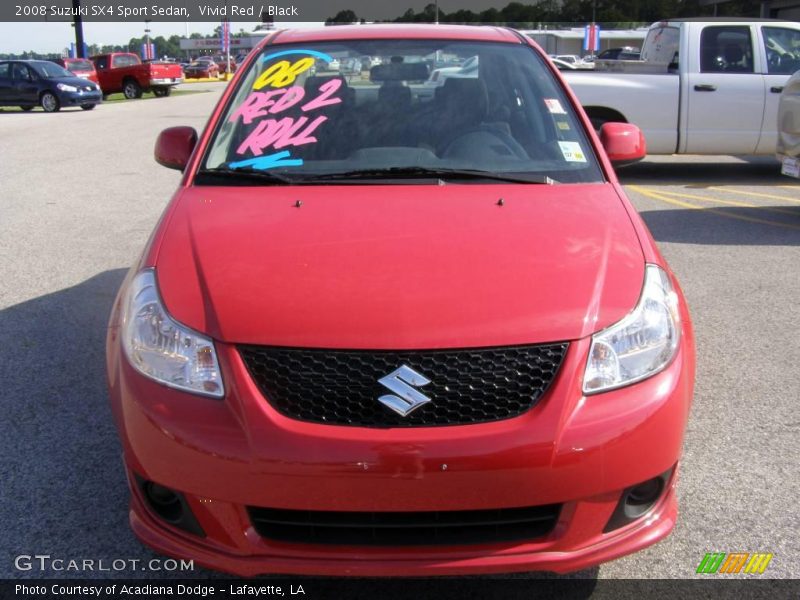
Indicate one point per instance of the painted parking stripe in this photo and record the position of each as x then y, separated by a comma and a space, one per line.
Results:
783, 211
755, 194
657, 196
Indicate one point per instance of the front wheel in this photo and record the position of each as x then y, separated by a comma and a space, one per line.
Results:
161, 92
88, 106
132, 90
50, 102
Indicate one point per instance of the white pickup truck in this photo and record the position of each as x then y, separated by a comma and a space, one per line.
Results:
702, 86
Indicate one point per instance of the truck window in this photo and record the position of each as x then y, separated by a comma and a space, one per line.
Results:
782, 47
661, 45
124, 60
726, 49
5, 71
102, 62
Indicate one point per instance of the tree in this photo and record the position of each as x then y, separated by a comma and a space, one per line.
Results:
342, 17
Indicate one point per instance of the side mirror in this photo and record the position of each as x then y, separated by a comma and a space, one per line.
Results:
174, 146
624, 143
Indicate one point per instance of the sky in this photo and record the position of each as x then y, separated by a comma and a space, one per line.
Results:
54, 37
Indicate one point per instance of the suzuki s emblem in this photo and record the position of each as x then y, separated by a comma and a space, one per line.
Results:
404, 382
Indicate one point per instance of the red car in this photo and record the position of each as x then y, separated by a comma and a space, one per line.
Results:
379, 332
82, 67
203, 67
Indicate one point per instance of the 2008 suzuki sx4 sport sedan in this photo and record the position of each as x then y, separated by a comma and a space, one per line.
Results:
395, 326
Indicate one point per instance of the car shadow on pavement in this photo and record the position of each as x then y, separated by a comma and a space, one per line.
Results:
699, 172
726, 225
63, 489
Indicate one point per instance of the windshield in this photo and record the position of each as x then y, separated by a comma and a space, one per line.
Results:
79, 65
371, 107
50, 70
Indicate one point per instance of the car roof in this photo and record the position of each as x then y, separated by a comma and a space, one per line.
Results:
395, 31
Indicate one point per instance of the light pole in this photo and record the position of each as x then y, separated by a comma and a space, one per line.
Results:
77, 23
147, 40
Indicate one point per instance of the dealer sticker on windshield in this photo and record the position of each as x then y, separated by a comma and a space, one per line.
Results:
790, 166
554, 106
572, 152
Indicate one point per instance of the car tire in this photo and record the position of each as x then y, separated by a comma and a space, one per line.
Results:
131, 89
50, 102
28, 107
161, 92
88, 106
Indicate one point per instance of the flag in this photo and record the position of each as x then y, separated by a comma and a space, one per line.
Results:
225, 37
591, 37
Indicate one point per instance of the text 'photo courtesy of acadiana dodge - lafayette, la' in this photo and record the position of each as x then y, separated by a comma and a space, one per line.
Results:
156, 11
139, 590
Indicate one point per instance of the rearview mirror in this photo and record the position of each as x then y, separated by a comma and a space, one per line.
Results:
624, 143
174, 146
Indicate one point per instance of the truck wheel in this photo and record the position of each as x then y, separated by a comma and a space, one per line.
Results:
88, 106
131, 89
27, 107
50, 102
161, 92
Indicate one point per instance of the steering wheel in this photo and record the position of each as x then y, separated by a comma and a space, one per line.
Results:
774, 59
500, 138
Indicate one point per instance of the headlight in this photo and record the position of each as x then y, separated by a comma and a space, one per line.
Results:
163, 349
66, 88
641, 344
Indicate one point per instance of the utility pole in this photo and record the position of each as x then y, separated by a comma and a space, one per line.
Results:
77, 23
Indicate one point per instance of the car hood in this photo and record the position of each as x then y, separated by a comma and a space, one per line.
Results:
402, 267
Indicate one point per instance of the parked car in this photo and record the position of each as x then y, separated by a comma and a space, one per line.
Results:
562, 65
30, 83
788, 149
701, 86
203, 67
124, 72
620, 53
377, 335
222, 63
82, 67
467, 69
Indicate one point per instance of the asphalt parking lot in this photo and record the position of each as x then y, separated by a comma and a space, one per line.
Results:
80, 193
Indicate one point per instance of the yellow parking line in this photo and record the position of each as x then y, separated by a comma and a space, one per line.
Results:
755, 194
784, 211
716, 211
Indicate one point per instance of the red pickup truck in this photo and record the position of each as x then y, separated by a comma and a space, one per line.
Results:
124, 72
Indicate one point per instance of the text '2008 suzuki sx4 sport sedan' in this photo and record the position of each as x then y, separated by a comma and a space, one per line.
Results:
392, 328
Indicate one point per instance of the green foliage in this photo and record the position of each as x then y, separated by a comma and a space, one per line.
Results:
617, 13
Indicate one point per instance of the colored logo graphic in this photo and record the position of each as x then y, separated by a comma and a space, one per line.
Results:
735, 562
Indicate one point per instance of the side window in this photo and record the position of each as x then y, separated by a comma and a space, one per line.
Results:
124, 61
5, 71
727, 49
102, 62
20, 73
782, 47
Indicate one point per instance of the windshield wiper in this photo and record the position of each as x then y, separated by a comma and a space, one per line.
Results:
434, 172
248, 176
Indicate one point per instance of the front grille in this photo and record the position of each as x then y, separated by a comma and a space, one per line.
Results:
405, 528
342, 388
